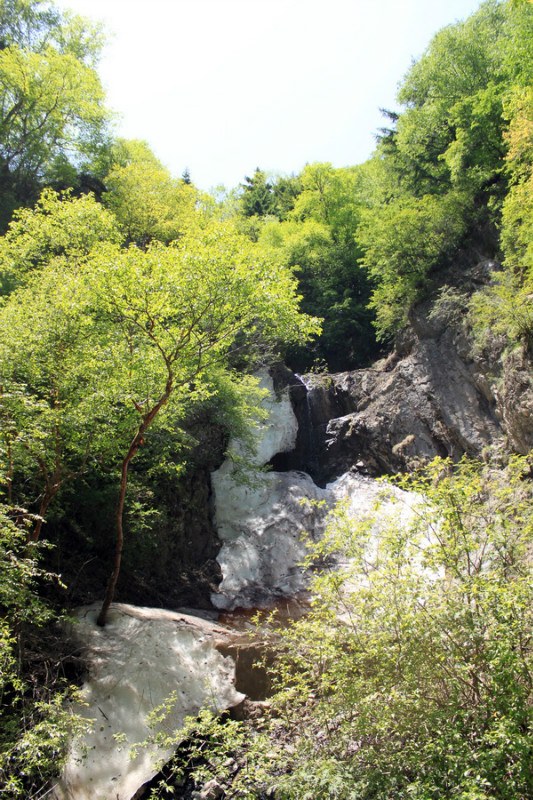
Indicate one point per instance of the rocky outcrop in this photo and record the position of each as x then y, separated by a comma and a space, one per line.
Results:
515, 399
438, 394
406, 410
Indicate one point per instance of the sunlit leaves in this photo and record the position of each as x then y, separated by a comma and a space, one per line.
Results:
148, 203
403, 242
36, 725
52, 231
412, 673
100, 338
320, 238
51, 104
450, 143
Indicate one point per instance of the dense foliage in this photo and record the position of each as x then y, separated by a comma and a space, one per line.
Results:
421, 686
412, 674
318, 238
36, 722
443, 165
450, 176
448, 184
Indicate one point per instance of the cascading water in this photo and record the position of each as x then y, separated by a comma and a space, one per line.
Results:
311, 442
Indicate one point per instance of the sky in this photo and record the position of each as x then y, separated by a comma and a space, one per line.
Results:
221, 87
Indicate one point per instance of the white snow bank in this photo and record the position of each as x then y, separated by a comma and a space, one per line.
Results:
262, 529
261, 526
135, 663
278, 433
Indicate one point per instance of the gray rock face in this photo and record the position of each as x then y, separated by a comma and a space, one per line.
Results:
435, 396
426, 404
515, 400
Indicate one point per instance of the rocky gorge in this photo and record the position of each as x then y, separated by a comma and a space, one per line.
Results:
326, 438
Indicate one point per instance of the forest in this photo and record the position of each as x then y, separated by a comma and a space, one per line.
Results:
135, 310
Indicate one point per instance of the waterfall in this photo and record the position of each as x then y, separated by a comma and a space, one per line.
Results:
143, 656
312, 448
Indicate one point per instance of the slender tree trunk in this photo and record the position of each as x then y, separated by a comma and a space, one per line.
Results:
134, 446
45, 502
111, 586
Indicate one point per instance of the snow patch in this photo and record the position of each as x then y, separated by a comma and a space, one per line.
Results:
278, 433
262, 525
261, 529
135, 663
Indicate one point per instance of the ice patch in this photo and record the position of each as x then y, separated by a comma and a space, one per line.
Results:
135, 663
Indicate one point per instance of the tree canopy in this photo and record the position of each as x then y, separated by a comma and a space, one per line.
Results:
53, 121
146, 201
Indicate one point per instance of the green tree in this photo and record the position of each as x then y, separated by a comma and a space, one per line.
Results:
57, 230
404, 243
57, 409
51, 107
98, 338
517, 225
55, 400
451, 131
53, 389
178, 312
147, 202
52, 115
320, 239
35, 25
443, 176
263, 198
257, 198
505, 307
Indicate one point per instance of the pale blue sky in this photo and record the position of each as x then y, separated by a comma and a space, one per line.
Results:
223, 86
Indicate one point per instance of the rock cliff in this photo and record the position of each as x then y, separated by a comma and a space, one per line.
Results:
438, 394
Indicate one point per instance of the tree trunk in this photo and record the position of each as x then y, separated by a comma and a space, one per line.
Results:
134, 446
111, 586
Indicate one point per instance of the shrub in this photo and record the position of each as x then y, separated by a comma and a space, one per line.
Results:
36, 724
412, 676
